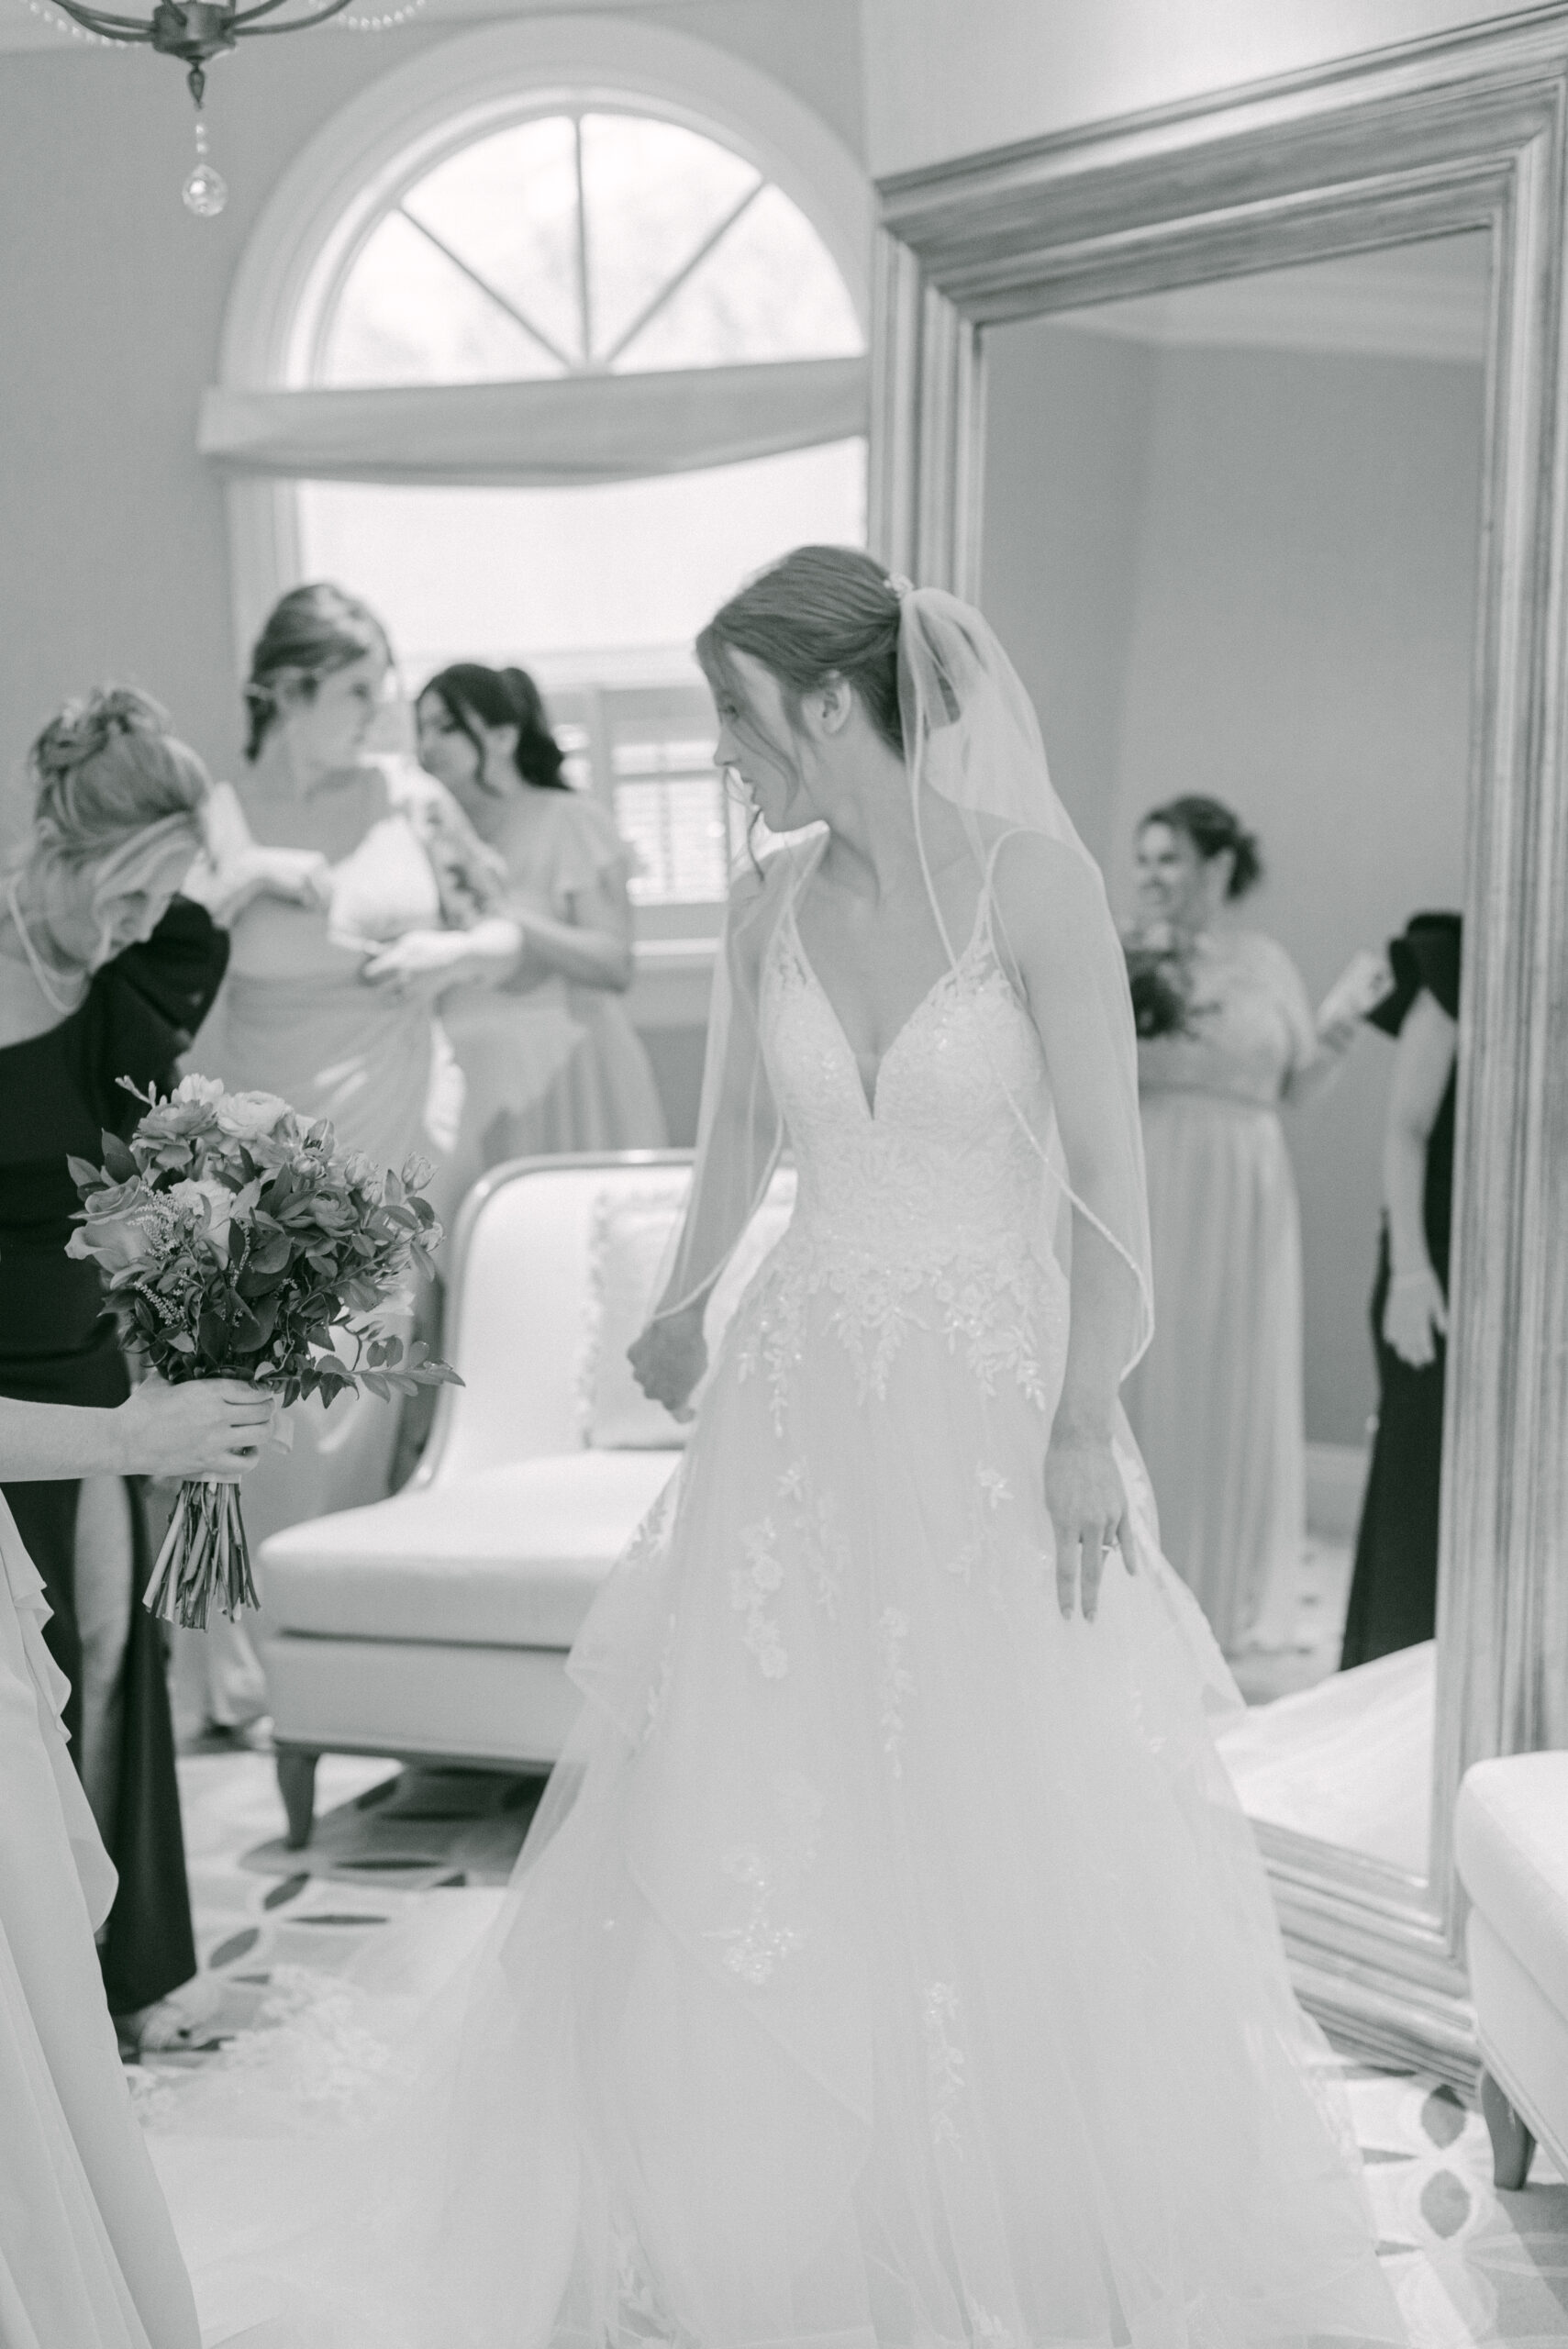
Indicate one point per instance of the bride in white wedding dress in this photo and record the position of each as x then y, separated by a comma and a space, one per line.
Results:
890, 1967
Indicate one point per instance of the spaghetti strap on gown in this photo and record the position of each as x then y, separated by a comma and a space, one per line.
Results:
891, 1965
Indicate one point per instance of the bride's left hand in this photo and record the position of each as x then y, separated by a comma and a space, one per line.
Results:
1088, 1508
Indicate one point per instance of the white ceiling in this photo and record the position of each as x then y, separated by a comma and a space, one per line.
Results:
1424, 301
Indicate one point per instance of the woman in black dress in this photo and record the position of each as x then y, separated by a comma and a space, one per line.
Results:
104, 972
1393, 1590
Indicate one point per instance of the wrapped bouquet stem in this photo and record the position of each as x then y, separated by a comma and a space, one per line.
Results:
204, 1556
237, 1242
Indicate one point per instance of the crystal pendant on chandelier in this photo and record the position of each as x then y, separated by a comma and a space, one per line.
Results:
206, 192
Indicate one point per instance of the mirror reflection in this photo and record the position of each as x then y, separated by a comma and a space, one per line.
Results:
1231, 533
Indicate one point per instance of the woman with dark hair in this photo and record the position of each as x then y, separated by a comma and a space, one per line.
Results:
356, 895
890, 1964
550, 1060
1216, 1402
105, 971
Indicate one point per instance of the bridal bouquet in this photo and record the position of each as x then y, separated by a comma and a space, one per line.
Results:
236, 1240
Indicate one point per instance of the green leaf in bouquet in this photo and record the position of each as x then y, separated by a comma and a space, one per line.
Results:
117, 1159
273, 1254
249, 1332
213, 1334
84, 1174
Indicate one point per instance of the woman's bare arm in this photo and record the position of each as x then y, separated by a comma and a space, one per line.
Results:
594, 948
1417, 1311
207, 1427
1056, 931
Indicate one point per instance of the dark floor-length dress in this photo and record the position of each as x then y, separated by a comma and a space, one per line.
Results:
58, 1092
1393, 1590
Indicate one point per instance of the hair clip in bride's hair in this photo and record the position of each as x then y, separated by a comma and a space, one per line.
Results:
900, 586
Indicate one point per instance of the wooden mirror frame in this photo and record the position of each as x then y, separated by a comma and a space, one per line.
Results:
1464, 131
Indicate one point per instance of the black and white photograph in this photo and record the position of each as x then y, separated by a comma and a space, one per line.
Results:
784, 1175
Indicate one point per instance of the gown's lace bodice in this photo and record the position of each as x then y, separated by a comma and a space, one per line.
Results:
928, 1205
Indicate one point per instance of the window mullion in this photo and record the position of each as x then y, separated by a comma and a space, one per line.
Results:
493, 293
672, 286
585, 307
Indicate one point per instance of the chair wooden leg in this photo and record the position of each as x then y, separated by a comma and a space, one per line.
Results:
297, 1784
1513, 2147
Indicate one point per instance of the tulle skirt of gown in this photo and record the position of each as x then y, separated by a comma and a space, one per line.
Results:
890, 1967
1217, 1403
88, 2258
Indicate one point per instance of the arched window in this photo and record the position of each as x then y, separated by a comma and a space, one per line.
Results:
548, 340
583, 242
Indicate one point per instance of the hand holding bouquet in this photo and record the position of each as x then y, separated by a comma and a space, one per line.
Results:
236, 1238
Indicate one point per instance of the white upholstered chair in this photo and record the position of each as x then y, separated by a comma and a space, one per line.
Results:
434, 1626
1511, 1850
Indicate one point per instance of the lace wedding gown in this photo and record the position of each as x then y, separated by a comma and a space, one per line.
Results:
890, 1967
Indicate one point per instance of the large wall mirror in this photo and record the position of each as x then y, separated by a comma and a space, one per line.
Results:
1242, 424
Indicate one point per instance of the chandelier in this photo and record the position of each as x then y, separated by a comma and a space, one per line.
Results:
196, 31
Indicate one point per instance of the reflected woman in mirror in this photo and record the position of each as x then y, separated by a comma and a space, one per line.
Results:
550, 1060
1393, 1589
1227, 1037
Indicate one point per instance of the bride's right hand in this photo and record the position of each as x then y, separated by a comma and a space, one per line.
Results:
669, 1359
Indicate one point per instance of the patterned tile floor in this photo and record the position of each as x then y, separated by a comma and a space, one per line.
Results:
1470, 2266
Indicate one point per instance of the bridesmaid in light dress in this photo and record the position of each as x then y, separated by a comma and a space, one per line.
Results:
550, 1060
356, 893
1216, 1402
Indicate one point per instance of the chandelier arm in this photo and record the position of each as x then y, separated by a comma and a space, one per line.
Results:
246, 31
97, 21
263, 8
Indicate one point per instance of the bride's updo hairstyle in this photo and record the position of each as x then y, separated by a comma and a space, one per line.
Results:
469, 692
106, 770
1214, 829
310, 633
817, 614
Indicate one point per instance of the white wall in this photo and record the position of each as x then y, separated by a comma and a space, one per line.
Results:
1297, 542
1068, 428
947, 78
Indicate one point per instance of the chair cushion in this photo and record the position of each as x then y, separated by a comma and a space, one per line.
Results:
406, 1696
1510, 1840
631, 1233
510, 1557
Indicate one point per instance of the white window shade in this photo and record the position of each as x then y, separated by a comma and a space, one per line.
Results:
558, 432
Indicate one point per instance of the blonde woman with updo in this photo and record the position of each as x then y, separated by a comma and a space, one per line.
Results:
105, 972
356, 893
